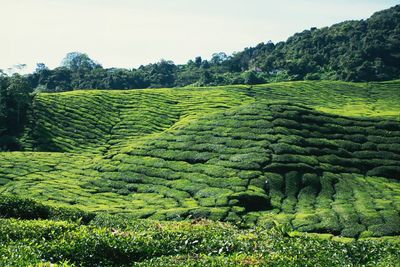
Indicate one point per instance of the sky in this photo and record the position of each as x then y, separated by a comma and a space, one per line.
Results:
130, 33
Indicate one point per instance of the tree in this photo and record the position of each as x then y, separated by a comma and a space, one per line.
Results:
3, 95
218, 58
18, 100
365, 50
57, 80
205, 78
198, 61
250, 77
14, 102
76, 61
41, 67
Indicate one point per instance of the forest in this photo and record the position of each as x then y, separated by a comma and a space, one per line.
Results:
357, 51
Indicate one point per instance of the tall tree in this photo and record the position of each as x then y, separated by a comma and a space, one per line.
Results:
76, 61
14, 102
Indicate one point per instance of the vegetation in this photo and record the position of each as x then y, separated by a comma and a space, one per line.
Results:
14, 103
269, 159
297, 173
349, 51
226, 153
120, 241
366, 50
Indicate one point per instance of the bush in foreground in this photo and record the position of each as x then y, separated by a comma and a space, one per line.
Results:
120, 241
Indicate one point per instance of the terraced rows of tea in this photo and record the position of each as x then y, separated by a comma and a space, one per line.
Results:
321, 156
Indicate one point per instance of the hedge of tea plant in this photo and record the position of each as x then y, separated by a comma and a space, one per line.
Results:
322, 157
122, 241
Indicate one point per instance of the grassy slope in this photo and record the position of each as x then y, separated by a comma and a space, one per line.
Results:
207, 152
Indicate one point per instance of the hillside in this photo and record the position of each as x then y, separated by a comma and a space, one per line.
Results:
357, 50
323, 157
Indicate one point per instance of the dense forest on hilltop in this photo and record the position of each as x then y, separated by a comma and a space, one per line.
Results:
365, 50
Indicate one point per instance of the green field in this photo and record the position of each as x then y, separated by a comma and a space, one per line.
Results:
318, 157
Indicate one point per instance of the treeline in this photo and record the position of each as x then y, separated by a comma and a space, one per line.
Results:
365, 50
78, 71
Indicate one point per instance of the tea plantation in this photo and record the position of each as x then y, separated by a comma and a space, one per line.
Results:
318, 157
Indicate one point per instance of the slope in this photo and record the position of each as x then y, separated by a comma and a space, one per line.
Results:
250, 155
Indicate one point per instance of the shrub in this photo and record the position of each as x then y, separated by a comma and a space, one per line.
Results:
283, 148
250, 200
212, 192
15, 207
394, 147
353, 230
388, 125
306, 199
329, 222
287, 158
292, 183
385, 229
386, 171
24, 208
303, 220
321, 143
312, 180
348, 145
284, 167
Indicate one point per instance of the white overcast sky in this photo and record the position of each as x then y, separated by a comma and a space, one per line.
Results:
128, 33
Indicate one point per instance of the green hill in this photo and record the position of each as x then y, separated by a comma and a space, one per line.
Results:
321, 156
354, 50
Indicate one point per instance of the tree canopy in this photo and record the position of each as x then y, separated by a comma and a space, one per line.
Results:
364, 50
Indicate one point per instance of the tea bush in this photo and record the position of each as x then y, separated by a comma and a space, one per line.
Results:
319, 156
121, 241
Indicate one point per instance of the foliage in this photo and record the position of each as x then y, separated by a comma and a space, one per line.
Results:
23, 208
276, 160
14, 103
365, 50
226, 153
153, 243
